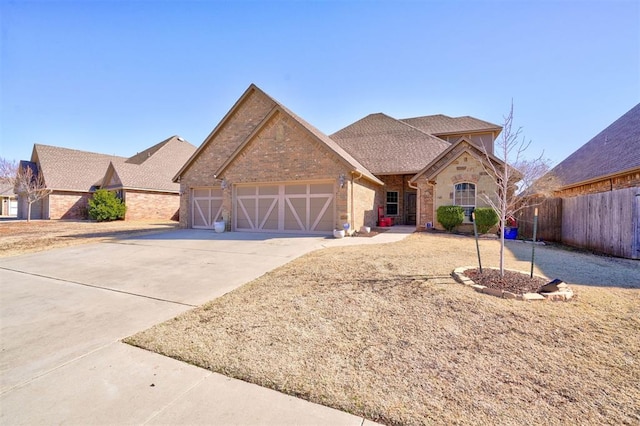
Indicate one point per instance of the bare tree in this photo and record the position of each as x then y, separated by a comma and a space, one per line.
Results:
30, 184
8, 170
515, 180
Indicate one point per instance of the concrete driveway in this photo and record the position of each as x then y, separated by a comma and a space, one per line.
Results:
63, 313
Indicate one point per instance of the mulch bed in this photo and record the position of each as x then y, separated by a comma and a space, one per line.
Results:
514, 282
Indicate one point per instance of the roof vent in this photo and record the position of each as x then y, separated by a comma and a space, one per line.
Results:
180, 139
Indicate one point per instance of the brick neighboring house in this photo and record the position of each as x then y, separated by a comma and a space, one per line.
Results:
263, 168
143, 181
609, 161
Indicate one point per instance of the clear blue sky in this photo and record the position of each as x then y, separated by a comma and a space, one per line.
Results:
117, 77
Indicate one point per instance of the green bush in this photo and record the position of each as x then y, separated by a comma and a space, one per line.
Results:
486, 218
450, 216
105, 206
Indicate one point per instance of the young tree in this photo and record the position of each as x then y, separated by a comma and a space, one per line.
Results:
515, 182
30, 184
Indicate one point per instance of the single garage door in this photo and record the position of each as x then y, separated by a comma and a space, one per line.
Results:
206, 207
307, 208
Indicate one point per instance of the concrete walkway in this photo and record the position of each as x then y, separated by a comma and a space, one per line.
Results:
64, 312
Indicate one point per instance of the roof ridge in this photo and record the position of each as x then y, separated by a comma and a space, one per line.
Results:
35, 145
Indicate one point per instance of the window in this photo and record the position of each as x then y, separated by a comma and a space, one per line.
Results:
392, 203
465, 196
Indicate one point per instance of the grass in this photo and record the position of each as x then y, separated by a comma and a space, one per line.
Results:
382, 332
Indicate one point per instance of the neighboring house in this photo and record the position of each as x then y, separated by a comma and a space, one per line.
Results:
8, 200
609, 161
142, 181
264, 169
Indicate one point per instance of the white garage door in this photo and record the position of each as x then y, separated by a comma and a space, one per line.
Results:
307, 208
13, 207
206, 207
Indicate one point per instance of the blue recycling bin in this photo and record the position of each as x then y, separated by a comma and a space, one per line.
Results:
510, 233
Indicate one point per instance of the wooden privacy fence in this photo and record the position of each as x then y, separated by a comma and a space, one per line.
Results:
606, 222
549, 220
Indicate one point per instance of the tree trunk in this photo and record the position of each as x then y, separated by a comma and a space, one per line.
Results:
29, 212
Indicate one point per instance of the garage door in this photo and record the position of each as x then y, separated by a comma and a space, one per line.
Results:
206, 207
307, 208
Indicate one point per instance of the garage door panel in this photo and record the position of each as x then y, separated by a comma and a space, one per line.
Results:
206, 207
295, 214
268, 212
293, 207
246, 213
324, 218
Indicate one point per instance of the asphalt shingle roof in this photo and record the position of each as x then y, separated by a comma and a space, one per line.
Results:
613, 150
74, 170
70, 169
155, 167
440, 124
385, 145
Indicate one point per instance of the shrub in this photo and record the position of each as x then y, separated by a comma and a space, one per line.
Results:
105, 206
450, 216
486, 218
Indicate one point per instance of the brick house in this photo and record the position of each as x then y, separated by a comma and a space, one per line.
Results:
143, 181
609, 161
264, 169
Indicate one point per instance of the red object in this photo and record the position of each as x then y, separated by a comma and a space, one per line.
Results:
382, 220
385, 222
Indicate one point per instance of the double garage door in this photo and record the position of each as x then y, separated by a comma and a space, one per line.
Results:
287, 207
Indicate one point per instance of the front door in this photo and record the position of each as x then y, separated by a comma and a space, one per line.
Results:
411, 208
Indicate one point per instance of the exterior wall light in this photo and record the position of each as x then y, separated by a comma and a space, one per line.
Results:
341, 180
223, 184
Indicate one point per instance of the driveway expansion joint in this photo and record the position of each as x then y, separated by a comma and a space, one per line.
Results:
33, 274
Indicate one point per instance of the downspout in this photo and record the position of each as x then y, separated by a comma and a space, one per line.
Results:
353, 180
417, 201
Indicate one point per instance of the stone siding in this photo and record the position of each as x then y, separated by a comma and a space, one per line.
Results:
439, 192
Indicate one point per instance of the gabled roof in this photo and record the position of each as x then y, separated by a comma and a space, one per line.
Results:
153, 168
6, 188
388, 146
614, 150
453, 152
82, 171
70, 169
440, 124
278, 108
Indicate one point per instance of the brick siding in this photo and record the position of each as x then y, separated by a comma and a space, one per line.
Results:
281, 151
627, 180
151, 205
68, 205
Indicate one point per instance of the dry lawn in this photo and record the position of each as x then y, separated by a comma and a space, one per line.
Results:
19, 237
382, 332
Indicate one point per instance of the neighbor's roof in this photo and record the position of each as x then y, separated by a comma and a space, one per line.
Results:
614, 150
440, 124
6, 189
385, 145
70, 169
154, 168
73, 170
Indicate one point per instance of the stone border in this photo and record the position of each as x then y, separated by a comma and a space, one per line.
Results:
561, 295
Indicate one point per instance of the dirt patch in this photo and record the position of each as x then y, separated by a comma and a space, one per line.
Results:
383, 331
20, 237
